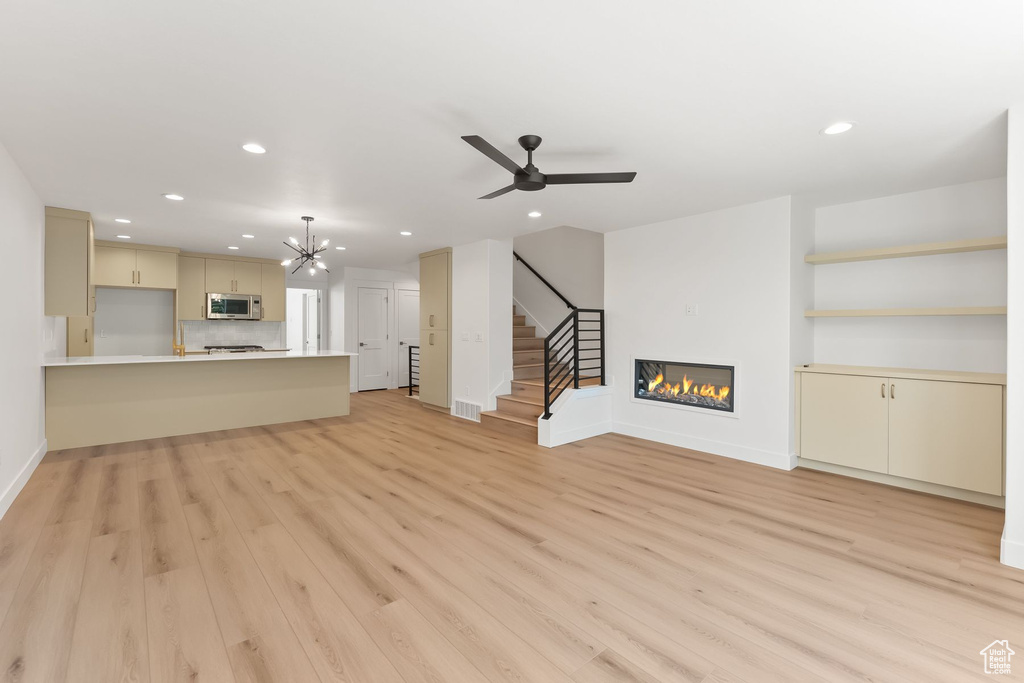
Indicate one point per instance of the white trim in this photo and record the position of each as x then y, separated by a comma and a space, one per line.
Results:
782, 461
1011, 553
7, 499
552, 432
696, 409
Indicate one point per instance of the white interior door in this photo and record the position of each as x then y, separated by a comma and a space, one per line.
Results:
312, 327
373, 337
408, 330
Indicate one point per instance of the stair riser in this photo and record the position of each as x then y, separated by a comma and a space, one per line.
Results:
528, 356
525, 410
512, 427
518, 320
527, 373
520, 332
523, 344
533, 392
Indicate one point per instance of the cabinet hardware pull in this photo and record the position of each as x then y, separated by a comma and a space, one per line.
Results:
883, 389
140, 276
431, 322
85, 335
133, 277
892, 391
431, 338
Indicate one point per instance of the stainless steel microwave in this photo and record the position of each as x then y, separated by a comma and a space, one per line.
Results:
233, 307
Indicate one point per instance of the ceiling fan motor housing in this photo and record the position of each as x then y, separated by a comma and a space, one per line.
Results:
531, 180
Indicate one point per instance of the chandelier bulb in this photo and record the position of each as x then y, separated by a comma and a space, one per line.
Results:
294, 241
319, 264
325, 243
312, 271
286, 262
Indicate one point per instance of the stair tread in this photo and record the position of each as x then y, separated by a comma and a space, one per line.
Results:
523, 399
510, 418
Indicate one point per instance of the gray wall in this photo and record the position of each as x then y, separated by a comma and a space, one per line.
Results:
570, 259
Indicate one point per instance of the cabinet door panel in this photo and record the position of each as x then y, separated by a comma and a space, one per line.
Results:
434, 367
191, 288
115, 267
948, 433
156, 269
220, 276
248, 277
844, 420
68, 289
80, 342
434, 291
273, 296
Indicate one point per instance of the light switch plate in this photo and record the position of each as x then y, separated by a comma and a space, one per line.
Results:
479, 336
691, 309
465, 336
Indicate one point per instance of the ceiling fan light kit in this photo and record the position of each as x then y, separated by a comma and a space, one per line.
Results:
529, 178
306, 253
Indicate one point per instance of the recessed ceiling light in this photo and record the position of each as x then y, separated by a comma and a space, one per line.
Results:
121, 220
124, 237
534, 214
249, 237
837, 128
232, 247
254, 148
174, 197
405, 233
340, 248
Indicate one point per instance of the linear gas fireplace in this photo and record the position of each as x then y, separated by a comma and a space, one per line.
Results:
696, 385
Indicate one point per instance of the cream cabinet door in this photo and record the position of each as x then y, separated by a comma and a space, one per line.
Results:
68, 266
273, 296
156, 269
80, 342
220, 276
434, 276
191, 288
248, 277
844, 420
115, 267
948, 433
434, 367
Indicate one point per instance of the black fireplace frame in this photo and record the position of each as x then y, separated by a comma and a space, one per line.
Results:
639, 378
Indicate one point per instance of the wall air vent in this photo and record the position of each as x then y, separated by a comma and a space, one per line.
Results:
467, 410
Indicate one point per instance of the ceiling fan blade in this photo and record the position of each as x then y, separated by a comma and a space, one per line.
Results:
498, 193
578, 178
493, 153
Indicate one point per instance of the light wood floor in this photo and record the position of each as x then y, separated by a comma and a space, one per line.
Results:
399, 544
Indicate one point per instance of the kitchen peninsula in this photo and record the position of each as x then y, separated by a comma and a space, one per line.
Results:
111, 399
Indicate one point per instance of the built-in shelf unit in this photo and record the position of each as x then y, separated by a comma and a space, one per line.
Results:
907, 251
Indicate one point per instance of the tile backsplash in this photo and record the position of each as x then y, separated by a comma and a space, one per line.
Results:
200, 333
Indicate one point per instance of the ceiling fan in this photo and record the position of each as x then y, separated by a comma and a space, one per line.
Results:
530, 178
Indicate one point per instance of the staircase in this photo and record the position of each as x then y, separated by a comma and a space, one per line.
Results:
526, 402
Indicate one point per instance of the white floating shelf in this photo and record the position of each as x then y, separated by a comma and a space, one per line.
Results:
905, 312
932, 249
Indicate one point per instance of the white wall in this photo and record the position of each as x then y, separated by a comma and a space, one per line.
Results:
977, 279
295, 304
481, 325
26, 336
572, 260
133, 322
801, 293
1013, 532
735, 265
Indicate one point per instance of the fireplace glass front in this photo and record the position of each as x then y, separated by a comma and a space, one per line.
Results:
690, 384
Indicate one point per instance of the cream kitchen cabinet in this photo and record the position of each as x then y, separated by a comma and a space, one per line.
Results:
191, 288
272, 289
938, 428
435, 337
69, 264
80, 336
118, 266
242, 277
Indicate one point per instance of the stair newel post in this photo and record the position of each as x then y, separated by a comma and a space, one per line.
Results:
576, 348
602, 346
547, 382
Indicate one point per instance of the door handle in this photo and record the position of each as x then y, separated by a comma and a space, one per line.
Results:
362, 344
401, 343
892, 391
883, 389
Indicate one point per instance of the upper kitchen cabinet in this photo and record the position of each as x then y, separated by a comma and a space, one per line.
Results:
68, 264
273, 291
191, 288
145, 267
225, 276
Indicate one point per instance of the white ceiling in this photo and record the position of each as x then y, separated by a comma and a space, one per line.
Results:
110, 103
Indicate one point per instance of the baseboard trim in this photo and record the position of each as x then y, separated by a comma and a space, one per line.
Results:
1011, 553
578, 434
782, 461
7, 499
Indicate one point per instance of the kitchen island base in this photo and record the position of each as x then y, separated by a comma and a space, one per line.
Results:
91, 405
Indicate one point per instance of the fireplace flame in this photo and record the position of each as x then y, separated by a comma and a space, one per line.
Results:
659, 387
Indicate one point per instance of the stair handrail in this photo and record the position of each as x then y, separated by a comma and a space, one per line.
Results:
541, 278
562, 346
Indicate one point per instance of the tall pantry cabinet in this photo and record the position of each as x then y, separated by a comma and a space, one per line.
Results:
435, 332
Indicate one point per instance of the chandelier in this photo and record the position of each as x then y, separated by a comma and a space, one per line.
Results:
306, 254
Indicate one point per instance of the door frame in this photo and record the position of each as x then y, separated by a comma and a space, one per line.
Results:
398, 338
351, 327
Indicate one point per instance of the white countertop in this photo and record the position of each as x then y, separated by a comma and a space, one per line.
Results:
199, 358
